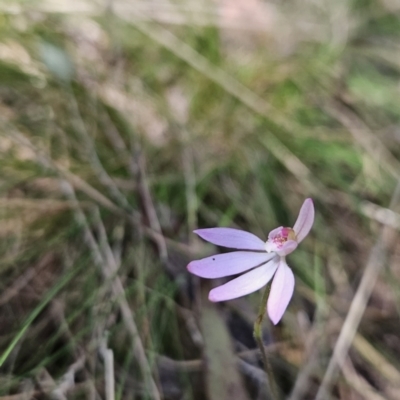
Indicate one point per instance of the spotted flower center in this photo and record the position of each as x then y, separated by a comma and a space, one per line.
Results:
281, 237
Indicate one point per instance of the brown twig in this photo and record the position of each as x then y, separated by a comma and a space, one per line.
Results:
24, 279
149, 208
67, 382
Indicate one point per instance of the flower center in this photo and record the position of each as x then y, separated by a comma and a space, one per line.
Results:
283, 236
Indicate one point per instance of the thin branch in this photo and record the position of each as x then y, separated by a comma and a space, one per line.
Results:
108, 357
67, 382
149, 208
24, 279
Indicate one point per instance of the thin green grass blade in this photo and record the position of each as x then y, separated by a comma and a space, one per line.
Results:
50, 295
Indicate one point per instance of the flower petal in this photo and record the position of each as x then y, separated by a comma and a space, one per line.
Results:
232, 238
279, 248
228, 264
281, 292
287, 248
275, 232
245, 284
271, 246
305, 220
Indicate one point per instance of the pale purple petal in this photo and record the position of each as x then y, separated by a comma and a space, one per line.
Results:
281, 292
305, 220
228, 264
232, 238
246, 283
287, 248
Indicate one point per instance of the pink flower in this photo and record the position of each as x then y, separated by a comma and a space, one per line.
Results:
265, 260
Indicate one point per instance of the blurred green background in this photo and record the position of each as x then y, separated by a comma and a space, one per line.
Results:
125, 125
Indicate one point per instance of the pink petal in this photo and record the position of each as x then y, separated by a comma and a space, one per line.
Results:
232, 238
245, 284
287, 248
275, 232
281, 292
281, 249
305, 220
228, 264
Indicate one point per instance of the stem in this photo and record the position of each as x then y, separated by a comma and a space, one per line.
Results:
258, 337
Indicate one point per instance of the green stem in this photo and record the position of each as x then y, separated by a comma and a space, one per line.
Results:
258, 337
